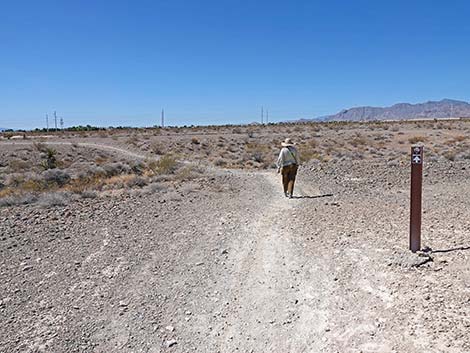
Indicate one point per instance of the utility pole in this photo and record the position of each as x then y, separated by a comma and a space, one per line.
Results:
61, 123
262, 115
47, 122
267, 116
55, 120
163, 118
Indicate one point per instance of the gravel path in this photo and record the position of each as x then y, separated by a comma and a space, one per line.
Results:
228, 264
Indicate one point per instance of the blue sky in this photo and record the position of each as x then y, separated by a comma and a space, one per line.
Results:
216, 62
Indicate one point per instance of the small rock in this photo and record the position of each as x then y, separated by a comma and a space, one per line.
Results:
170, 328
170, 343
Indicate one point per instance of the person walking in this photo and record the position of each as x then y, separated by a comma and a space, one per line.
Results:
287, 164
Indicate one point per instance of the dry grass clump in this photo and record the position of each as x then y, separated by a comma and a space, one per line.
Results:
167, 164
415, 139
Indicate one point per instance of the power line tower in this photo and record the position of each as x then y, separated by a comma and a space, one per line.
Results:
262, 115
163, 118
55, 120
61, 123
47, 122
267, 115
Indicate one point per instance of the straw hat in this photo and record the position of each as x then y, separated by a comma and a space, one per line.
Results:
287, 143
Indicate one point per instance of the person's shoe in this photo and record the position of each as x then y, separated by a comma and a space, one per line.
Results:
286, 194
290, 196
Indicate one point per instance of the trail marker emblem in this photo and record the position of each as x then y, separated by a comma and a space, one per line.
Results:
416, 159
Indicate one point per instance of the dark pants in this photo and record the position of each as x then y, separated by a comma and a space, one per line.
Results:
288, 178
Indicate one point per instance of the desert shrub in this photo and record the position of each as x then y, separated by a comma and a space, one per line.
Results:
133, 140
415, 139
233, 148
173, 196
166, 164
137, 167
101, 160
450, 155
49, 160
56, 176
188, 172
195, 141
220, 162
33, 185
156, 187
117, 168
465, 155
309, 154
53, 199
18, 165
95, 171
18, 200
157, 148
118, 181
136, 181
14, 180
257, 152
88, 194
358, 141
257, 156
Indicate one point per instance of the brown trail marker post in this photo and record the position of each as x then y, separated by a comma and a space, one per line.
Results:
416, 191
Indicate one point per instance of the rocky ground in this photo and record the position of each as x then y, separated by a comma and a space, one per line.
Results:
225, 263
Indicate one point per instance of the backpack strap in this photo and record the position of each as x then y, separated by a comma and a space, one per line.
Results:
293, 156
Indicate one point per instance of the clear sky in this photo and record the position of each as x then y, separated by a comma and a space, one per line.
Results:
214, 62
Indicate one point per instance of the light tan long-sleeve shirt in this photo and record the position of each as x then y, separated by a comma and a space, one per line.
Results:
288, 156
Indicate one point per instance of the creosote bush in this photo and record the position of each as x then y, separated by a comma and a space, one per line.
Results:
166, 165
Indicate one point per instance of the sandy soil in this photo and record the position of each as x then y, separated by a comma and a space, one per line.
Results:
227, 264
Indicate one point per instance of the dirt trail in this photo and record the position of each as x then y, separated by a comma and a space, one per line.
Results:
227, 266
271, 283
289, 298
121, 151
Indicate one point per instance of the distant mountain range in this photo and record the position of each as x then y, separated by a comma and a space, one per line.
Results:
446, 108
